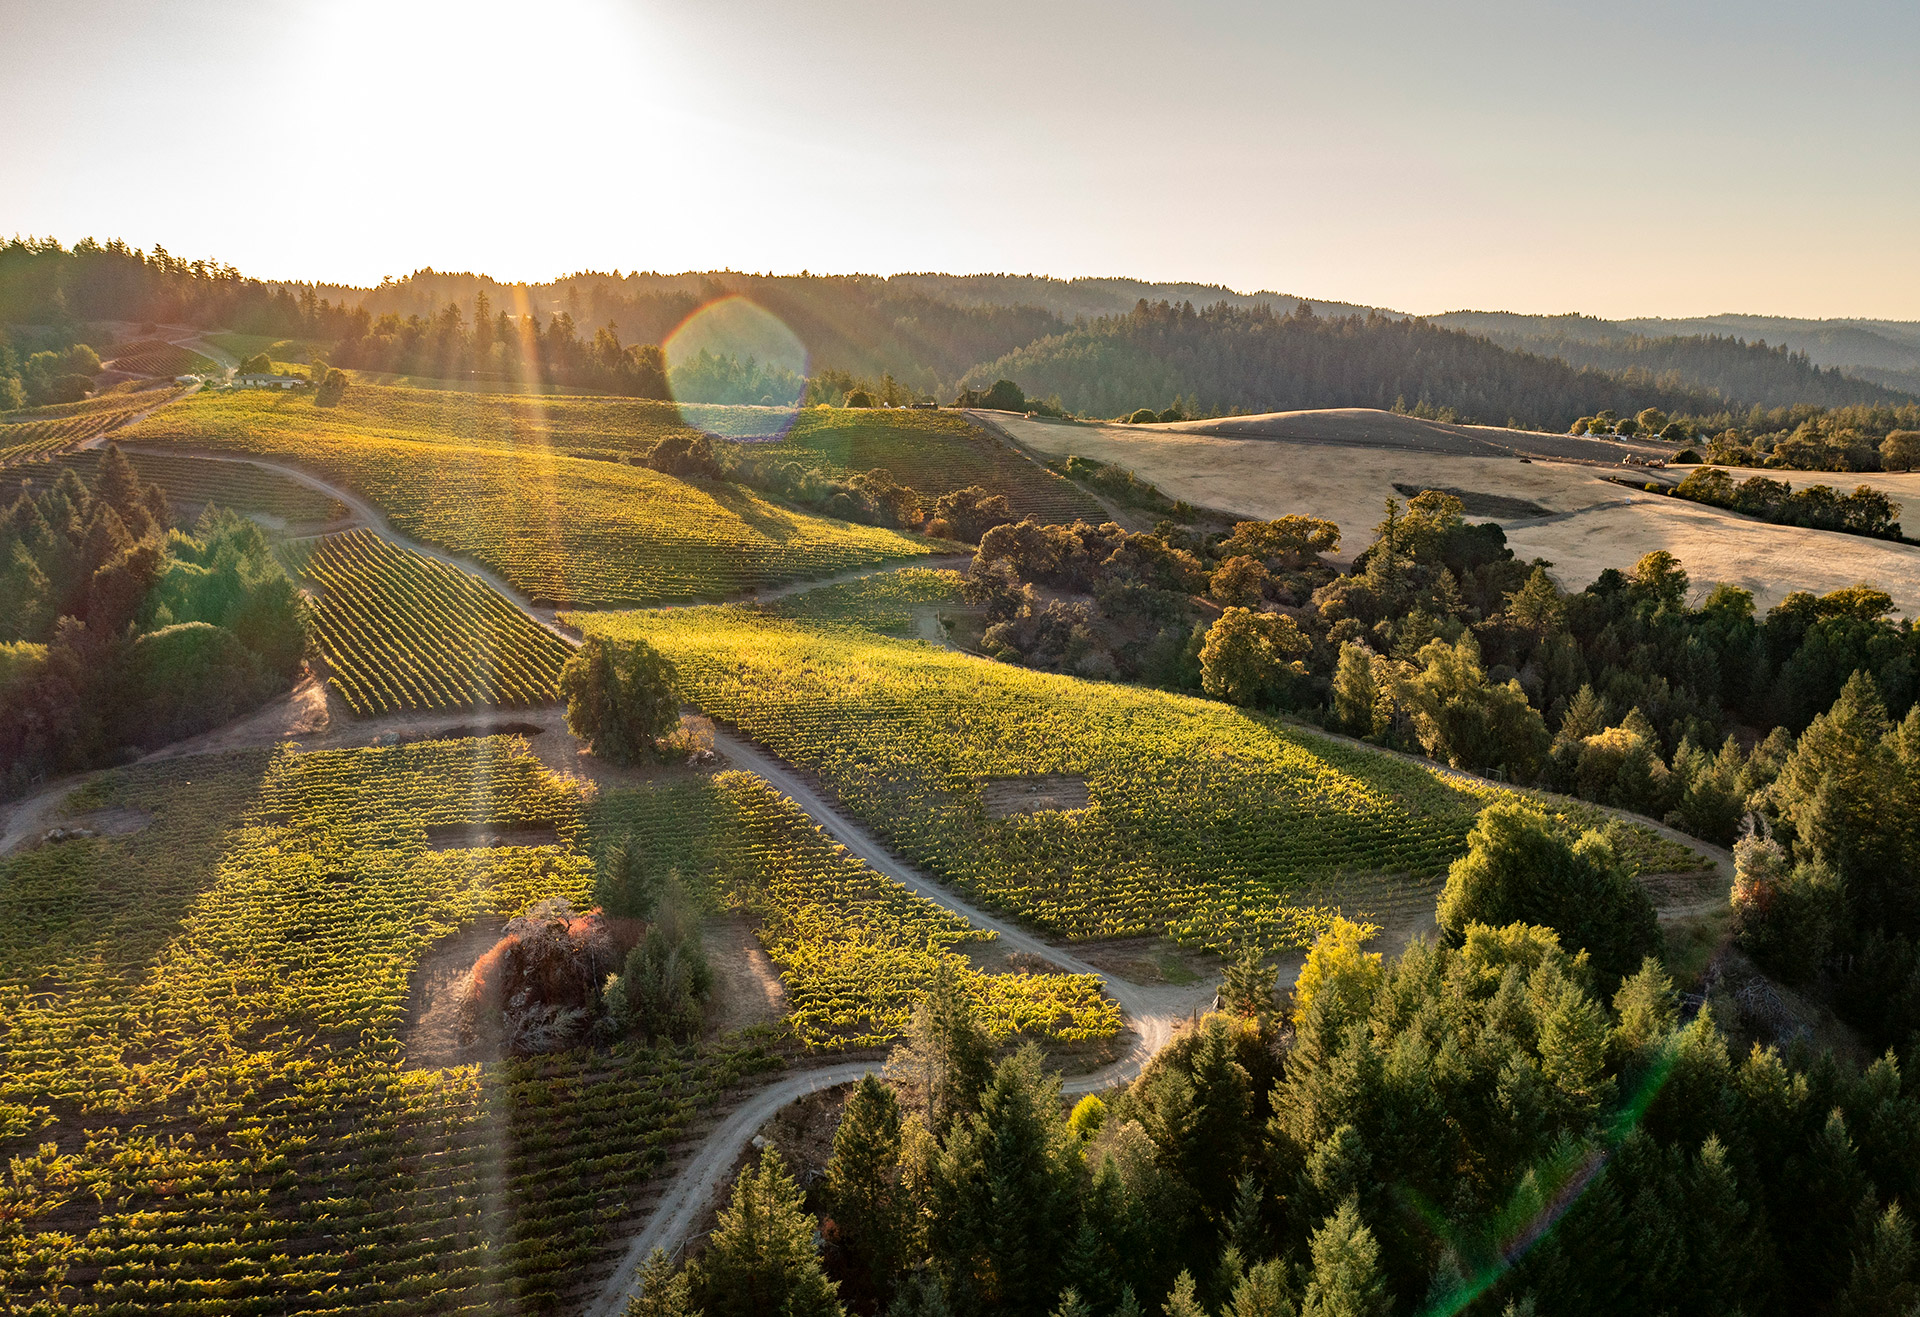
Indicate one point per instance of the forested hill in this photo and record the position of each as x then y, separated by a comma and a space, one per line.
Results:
1081, 339
1228, 358
1749, 371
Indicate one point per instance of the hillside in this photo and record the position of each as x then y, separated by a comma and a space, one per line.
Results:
494, 478
1224, 359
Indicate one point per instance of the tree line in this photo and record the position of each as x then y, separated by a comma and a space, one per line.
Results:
1510, 1117
117, 631
1227, 359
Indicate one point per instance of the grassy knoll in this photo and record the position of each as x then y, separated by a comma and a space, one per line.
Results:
402, 631
475, 474
854, 948
1204, 822
204, 1089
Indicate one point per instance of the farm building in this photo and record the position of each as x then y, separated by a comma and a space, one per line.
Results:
267, 381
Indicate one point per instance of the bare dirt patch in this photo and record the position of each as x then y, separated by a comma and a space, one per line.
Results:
490, 836
1007, 796
746, 987
432, 1033
1147, 960
118, 821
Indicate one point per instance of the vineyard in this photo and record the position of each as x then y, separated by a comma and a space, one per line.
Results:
558, 527
204, 1087
1205, 823
402, 631
49, 429
931, 451
854, 948
157, 357
191, 483
884, 602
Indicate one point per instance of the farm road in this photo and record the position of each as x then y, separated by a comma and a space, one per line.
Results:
1153, 1012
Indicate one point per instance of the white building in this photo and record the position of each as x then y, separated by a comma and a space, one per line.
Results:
267, 381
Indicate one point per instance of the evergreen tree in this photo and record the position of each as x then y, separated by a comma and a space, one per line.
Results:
1346, 1280
1183, 1301
1882, 1282
864, 1190
664, 1291
1004, 1192
945, 1055
760, 1258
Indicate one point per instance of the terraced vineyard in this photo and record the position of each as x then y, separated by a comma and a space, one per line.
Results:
158, 357
191, 483
1204, 822
854, 948
934, 452
205, 1090
559, 527
49, 429
401, 631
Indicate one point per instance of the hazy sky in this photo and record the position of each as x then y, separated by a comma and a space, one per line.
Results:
1623, 158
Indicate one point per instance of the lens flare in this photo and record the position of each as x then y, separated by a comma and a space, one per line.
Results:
734, 351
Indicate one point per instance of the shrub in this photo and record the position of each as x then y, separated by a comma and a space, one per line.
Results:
1522, 867
859, 398
189, 677
620, 698
333, 387
972, 512
685, 456
1144, 416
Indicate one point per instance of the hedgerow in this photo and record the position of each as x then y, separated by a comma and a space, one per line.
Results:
402, 631
1205, 822
854, 947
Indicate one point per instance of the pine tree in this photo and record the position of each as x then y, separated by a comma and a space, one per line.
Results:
1262, 1293
1072, 1305
1183, 1301
1003, 1193
760, 1258
1881, 1283
945, 1056
863, 1185
664, 1292
1346, 1279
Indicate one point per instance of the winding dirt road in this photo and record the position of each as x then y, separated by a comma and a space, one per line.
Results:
1153, 1013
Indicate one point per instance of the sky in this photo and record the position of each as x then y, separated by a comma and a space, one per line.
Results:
1638, 157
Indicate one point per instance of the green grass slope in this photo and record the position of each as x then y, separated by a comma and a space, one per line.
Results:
1204, 822
474, 476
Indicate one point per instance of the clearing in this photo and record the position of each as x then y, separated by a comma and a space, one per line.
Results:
1343, 465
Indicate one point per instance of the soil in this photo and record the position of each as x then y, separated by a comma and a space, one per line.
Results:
1006, 796
431, 1035
746, 987
1149, 960
490, 836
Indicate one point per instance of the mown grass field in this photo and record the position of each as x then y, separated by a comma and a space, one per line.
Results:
1205, 823
205, 1094
38, 430
191, 483
401, 631
469, 477
854, 948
